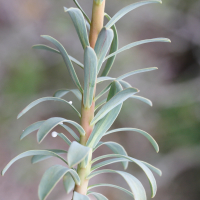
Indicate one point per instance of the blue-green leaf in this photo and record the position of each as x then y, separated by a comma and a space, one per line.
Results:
78, 196
113, 48
38, 158
34, 103
31, 153
51, 177
117, 99
125, 84
66, 59
76, 153
80, 26
135, 185
98, 196
145, 100
51, 123
154, 169
45, 47
148, 136
134, 44
68, 182
102, 45
72, 133
62, 92
31, 128
90, 74
115, 148
100, 104
64, 137
127, 9
103, 92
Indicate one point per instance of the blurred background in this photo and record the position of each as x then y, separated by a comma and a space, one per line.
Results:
174, 120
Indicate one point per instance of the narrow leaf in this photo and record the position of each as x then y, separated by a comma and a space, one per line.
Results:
148, 136
51, 177
100, 104
76, 153
102, 45
72, 133
154, 169
90, 74
98, 196
64, 137
66, 60
145, 100
62, 92
134, 44
117, 99
80, 26
78, 196
102, 92
30, 129
127, 9
68, 182
125, 84
51, 123
34, 103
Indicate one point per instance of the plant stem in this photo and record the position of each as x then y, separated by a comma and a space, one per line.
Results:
88, 114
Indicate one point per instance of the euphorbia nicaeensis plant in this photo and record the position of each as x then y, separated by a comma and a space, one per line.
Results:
96, 116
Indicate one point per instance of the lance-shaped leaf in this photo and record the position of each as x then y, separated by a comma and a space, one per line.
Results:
34, 103
65, 138
134, 44
105, 123
31, 128
145, 100
103, 92
66, 59
125, 84
31, 153
51, 123
113, 48
115, 148
38, 158
60, 93
78, 196
80, 26
76, 153
154, 169
51, 177
72, 133
117, 99
98, 196
102, 45
90, 74
45, 47
135, 185
127, 9
148, 136
146, 170
68, 183
100, 104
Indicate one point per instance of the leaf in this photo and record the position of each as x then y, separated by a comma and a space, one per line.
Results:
80, 26
148, 136
110, 185
135, 185
78, 196
34, 103
100, 104
127, 9
51, 123
38, 158
85, 15
145, 100
68, 182
115, 148
66, 60
134, 44
102, 92
125, 84
117, 99
64, 137
113, 48
51, 177
62, 92
32, 153
154, 169
98, 196
72, 133
76, 153
90, 74
105, 123
102, 45
146, 170
45, 47
31, 128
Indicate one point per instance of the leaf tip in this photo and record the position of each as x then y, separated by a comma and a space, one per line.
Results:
65, 9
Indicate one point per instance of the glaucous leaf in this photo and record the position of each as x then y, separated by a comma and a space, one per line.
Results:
51, 177
154, 169
127, 9
106, 89
62, 92
98, 196
66, 59
125, 84
80, 26
64, 137
68, 182
72, 133
100, 104
34, 103
145, 100
90, 74
76, 153
78, 196
51, 123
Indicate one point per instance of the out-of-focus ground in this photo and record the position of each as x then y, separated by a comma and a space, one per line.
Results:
174, 120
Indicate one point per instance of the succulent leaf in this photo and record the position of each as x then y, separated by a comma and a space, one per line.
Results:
98, 196
78, 196
60, 93
68, 183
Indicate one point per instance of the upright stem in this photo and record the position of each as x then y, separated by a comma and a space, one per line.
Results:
88, 114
